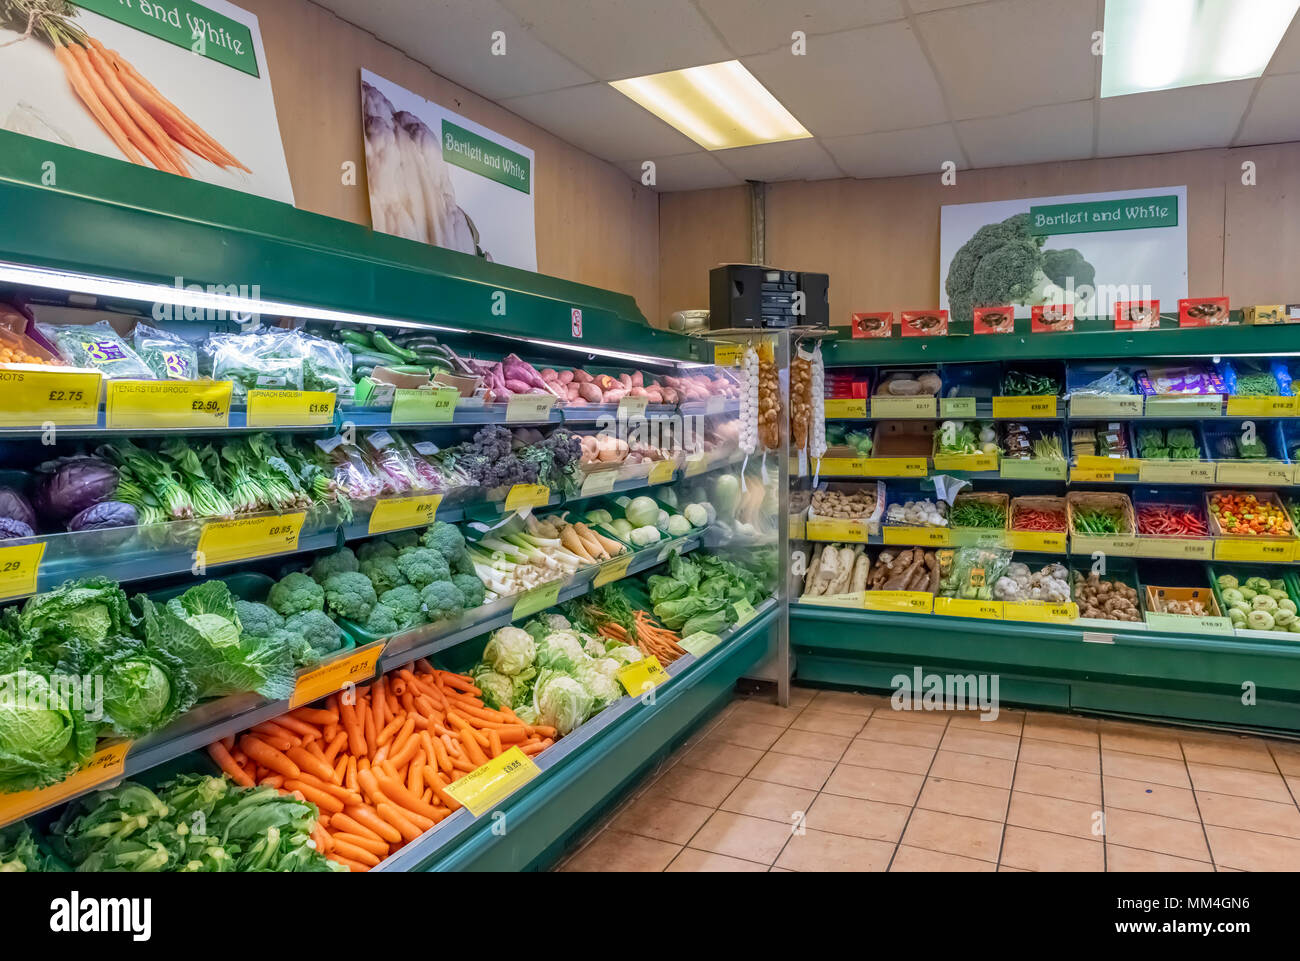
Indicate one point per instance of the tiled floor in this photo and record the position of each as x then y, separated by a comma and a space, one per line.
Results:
841, 782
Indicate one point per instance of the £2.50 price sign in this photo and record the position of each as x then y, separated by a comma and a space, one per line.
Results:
163, 404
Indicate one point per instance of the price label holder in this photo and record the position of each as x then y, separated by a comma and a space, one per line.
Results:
1196, 407
354, 667
613, 570
20, 566
1187, 624
966, 462
798, 527
106, 764
1176, 548
700, 643
744, 612
828, 529
962, 607
696, 464
639, 676
1262, 406
1106, 405
485, 787
1090, 475
901, 536
630, 407
958, 408
523, 496
851, 600
895, 466
906, 602
1114, 465
1266, 473
843, 466
599, 482
889, 408
846, 408
1040, 612
529, 408
1274, 551
538, 599
436, 406
1013, 468
400, 513
223, 542
168, 404
1041, 542
662, 472
1176, 472
1124, 545
290, 408
728, 355
1024, 408
30, 398
973, 537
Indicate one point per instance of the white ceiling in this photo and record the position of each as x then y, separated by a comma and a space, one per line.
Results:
887, 87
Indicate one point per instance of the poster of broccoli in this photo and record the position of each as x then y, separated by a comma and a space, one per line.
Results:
1090, 251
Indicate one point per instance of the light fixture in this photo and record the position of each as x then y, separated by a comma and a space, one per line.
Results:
1162, 44
718, 106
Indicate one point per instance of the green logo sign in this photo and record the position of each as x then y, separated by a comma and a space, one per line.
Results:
487, 159
1133, 213
186, 24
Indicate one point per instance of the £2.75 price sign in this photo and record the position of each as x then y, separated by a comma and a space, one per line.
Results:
30, 398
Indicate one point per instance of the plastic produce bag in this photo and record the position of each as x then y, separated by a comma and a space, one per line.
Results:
352, 471
326, 365
262, 360
98, 346
168, 356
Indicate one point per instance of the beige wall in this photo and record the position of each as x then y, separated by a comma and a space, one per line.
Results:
594, 224
879, 239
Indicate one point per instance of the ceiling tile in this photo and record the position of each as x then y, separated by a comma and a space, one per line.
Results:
692, 171
926, 6
1273, 117
600, 120
859, 81
752, 26
896, 153
454, 38
1039, 135
1185, 118
1009, 55
616, 39
1287, 57
774, 162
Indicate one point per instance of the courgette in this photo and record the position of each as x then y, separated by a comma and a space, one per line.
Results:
384, 345
409, 369
355, 337
372, 359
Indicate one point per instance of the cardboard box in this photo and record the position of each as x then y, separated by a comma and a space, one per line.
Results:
1262, 314
873, 325
1158, 599
1137, 315
1204, 312
466, 385
925, 323
379, 389
904, 438
1051, 318
995, 320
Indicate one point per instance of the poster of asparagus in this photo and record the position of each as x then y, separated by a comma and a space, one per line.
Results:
172, 85
441, 179
1088, 251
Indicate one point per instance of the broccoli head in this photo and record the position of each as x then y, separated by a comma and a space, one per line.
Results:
343, 561
463, 564
382, 620
376, 547
1062, 265
403, 539
446, 539
442, 600
471, 587
350, 594
1014, 273
383, 573
404, 599
316, 628
303, 654
422, 566
257, 620
295, 593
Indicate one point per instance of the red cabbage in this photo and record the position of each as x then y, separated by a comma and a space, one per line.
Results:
69, 485
104, 515
16, 507
10, 528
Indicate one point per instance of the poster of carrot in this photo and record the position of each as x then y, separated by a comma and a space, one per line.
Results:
172, 85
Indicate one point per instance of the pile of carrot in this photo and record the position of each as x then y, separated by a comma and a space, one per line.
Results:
650, 638
377, 762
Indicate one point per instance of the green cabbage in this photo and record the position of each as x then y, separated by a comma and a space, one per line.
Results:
642, 512
44, 734
498, 689
144, 688
510, 650
560, 701
561, 651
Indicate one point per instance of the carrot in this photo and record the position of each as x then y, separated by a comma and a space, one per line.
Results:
308, 732
439, 788
119, 112
308, 762
90, 98
272, 780
142, 118
369, 817
415, 776
348, 850
494, 744
348, 863
472, 749
397, 818
228, 742
267, 756
538, 748
399, 742
407, 753
218, 752
377, 848
337, 790
352, 725
324, 801
335, 745
269, 730
345, 822
324, 843
511, 733
389, 731
350, 775
368, 720
440, 753
370, 786
398, 794
312, 715
458, 681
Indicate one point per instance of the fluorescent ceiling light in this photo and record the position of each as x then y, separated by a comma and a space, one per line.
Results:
1161, 44
718, 106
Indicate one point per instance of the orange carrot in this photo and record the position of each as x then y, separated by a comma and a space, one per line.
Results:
267, 756
218, 752
352, 725
348, 863
348, 850
346, 822
312, 715
324, 801
142, 118
370, 818
377, 848
308, 762
81, 84
308, 732
398, 819
119, 113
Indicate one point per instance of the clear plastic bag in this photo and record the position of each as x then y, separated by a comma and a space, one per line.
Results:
254, 361
98, 346
168, 356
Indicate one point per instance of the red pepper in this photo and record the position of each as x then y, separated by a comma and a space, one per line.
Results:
1031, 519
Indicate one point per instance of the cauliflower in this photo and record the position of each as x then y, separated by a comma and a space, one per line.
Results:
470, 586
383, 573
258, 619
317, 629
343, 561
350, 594
294, 593
446, 539
442, 600
422, 566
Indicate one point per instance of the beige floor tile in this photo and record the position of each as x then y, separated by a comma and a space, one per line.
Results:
775, 802
805, 772
1151, 797
1150, 743
1248, 851
661, 818
845, 702
823, 747
1007, 722
1293, 782
694, 785
1238, 782
1041, 851
617, 851
1065, 728
890, 757
919, 859
933, 718
765, 712
705, 861
747, 733
1250, 814
855, 817
714, 755
1145, 767
1130, 859
1055, 815
800, 696
816, 851
1286, 754
881, 728
828, 722
1248, 753
874, 784
1058, 782
1071, 757
966, 741
953, 834
741, 836
991, 771
1008, 869
1152, 832
964, 798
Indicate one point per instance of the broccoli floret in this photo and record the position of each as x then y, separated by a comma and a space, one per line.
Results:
1014, 273
339, 562
404, 539
303, 654
295, 593
422, 566
375, 548
316, 628
350, 594
382, 620
1062, 265
446, 539
258, 620
470, 586
442, 600
383, 573
404, 599
463, 564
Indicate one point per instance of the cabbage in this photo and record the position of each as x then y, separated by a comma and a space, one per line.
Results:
642, 511
678, 526
726, 495
560, 701
594, 647
624, 653
597, 675
498, 689
510, 650
561, 650
15, 506
697, 514
557, 622
76, 616
69, 485
44, 735
144, 688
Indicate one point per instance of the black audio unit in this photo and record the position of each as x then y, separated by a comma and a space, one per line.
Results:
746, 295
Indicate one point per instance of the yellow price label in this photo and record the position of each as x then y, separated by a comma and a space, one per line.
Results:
842, 467
248, 537
1014, 468
30, 398
1176, 548
106, 764
1106, 405
696, 464
424, 406
957, 407
963, 607
662, 472
846, 408
527, 495
485, 787
640, 676
1119, 545
1042, 542
1176, 472
613, 570
1040, 611
599, 482
162, 404
1115, 465
896, 466
836, 529
355, 667
1268, 473
852, 600
907, 602
290, 408
1266, 551
728, 355
903, 407
971, 462
1262, 406
399, 513
20, 566
1018, 408
902, 536
1088, 475
538, 598
529, 407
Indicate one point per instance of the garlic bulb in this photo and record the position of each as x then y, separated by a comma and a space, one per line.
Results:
817, 427
749, 402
